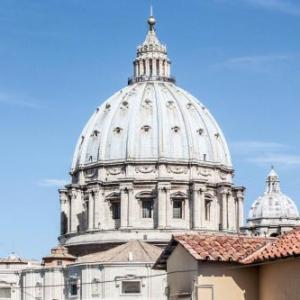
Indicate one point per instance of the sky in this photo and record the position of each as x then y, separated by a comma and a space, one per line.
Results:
60, 59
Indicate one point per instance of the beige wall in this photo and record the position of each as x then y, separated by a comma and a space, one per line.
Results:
184, 267
227, 281
280, 280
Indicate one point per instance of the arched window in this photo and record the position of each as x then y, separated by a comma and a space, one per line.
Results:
147, 202
178, 201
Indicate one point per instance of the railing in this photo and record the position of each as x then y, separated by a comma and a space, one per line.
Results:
132, 80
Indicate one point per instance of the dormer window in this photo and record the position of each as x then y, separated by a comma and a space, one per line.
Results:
175, 129
118, 130
146, 128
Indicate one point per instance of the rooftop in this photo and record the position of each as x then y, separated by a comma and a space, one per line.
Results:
132, 251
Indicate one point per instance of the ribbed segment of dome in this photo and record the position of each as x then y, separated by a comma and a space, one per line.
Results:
151, 121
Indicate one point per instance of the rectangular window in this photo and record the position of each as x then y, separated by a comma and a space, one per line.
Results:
115, 207
147, 208
73, 289
131, 287
5, 292
177, 209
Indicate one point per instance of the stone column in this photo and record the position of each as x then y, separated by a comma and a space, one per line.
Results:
126, 204
131, 205
240, 209
91, 224
169, 207
197, 206
65, 209
202, 207
154, 70
147, 67
231, 212
162, 204
99, 208
224, 212
141, 72
160, 68
76, 209
124, 207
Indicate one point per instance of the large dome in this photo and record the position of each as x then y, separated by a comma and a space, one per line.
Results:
151, 162
151, 121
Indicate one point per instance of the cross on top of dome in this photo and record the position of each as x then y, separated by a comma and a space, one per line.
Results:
152, 62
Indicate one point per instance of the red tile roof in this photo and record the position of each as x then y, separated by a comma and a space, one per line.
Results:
225, 248
213, 247
234, 248
285, 246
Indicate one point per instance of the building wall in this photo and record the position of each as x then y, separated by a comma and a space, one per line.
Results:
210, 281
182, 271
280, 280
221, 281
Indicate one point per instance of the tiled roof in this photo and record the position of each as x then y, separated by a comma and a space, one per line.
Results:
132, 251
234, 248
214, 247
59, 252
285, 246
223, 248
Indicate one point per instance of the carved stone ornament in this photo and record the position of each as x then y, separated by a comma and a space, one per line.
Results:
91, 173
204, 172
177, 169
222, 175
115, 171
145, 169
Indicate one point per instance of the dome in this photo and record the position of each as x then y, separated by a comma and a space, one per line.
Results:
273, 204
151, 121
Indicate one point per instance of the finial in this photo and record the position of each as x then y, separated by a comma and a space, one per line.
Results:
151, 19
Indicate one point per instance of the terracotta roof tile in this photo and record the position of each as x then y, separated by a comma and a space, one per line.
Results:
225, 248
286, 245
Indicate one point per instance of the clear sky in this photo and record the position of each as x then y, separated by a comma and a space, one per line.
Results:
60, 59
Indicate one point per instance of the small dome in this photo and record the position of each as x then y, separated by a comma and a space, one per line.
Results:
151, 121
273, 204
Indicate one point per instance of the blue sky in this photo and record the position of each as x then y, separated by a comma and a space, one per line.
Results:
59, 59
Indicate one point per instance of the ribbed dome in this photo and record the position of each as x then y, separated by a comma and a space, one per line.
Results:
151, 121
273, 204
